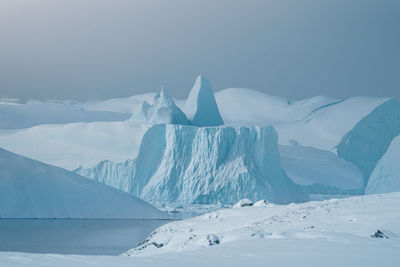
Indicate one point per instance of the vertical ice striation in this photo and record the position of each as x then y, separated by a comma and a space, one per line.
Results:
386, 176
187, 164
201, 107
369, 139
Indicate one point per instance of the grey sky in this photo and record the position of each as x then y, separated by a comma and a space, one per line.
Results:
95, 49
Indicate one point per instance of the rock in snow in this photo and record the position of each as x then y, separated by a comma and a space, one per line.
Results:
163, 110
32, 189
386, 176
243, 203
201, 107
366, 143
188, 164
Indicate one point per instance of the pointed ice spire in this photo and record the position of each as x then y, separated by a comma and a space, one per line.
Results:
162, 97
200, 107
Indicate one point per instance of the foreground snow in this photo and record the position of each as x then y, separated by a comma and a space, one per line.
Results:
330, 233
341, 221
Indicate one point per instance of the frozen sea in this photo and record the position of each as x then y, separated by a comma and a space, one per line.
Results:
74, 236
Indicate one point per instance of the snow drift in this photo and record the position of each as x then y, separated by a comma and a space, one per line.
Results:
366, 143
201, 107
350, 220
386, 176
188, 164
31, 189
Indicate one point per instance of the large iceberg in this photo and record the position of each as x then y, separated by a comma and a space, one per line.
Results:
366, 143
201, 107
188, 164
386, 176
32, 189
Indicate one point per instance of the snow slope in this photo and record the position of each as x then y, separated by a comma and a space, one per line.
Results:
366, 143
18, 116
320, 171
201, 107
320, 122
31, 189
188, 164
351, 220
163, 110
386, 175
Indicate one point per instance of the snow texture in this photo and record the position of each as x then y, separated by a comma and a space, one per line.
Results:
342, 221
31, 189
386, 176
188, 164
366, 143
201, 107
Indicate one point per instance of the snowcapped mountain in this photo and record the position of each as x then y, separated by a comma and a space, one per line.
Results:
189, 164
163, 110
386, 175
201, 107
31, 189
369, 139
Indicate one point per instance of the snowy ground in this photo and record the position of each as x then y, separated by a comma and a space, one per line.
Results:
328, 233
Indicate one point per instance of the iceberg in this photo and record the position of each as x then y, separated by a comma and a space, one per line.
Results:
187, 164
386, 176
369, 139
32, 189
163, 110
201, 107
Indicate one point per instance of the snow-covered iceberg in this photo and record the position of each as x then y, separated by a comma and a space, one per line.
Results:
320, 171
32, 189
366, 143
201, 107
163, 110
386, 176
189, 164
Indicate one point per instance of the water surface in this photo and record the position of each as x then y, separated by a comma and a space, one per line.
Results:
74, 236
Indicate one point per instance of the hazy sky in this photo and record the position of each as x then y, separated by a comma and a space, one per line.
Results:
95, 49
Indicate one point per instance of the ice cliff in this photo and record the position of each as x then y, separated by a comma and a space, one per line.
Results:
188, 164
163, 110
369, 139
386, 176
201, 107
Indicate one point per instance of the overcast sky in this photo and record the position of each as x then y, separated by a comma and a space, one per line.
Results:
96, 49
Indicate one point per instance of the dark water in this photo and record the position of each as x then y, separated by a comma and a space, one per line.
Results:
89, 237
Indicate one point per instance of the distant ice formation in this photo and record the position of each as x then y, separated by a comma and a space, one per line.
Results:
369, 139
163, 110
201, 107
